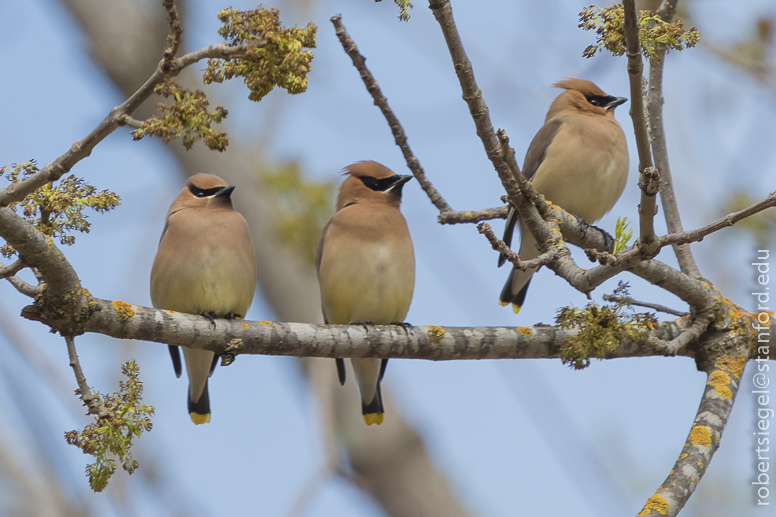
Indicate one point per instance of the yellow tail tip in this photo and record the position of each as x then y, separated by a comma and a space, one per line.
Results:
374, 418
503, 304
200, 419
516, 307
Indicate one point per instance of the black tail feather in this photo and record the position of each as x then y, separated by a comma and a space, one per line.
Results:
175, 354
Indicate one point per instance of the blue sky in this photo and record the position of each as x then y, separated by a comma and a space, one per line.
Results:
533, 435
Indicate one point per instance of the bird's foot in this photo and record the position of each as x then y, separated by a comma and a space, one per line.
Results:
211, 316
365, 324
233, 316
403, 324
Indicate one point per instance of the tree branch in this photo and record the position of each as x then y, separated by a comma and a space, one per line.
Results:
635, 303
233, 337
23, 287
648, 176
693, 332
456, 217
722, 383
93, 404
52, 171
381, 102
11, 270
729, 220
660, 149
511, 256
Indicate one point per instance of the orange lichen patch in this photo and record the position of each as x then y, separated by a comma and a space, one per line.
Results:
700, 464
701, 435
435, 334
468, 214
525, 331
265, 322
657, 503
720, 381
124, 311
683, 455
245, 326
732, 365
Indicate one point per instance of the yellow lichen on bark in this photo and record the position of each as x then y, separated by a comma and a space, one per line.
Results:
657, 503
124, 311
435, 334
732, 365
720, 380
701, 435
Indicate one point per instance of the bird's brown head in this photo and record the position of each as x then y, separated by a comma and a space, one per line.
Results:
584, 97
204, 191
370, 182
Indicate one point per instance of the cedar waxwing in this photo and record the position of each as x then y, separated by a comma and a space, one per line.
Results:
366, 267
205, 265
578, 160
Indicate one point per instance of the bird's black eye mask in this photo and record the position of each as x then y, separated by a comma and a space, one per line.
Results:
379, 185
198, 192
600, 100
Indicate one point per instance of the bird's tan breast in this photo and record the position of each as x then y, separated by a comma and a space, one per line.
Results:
589, 153
367, 267
204, 265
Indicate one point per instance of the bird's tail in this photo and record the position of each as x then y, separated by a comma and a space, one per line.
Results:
374, 412
517, 284
200, 410
515, 289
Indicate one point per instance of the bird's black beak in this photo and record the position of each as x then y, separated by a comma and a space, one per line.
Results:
225, 192
616, 101
398, 184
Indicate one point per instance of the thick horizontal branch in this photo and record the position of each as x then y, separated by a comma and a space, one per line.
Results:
232, 337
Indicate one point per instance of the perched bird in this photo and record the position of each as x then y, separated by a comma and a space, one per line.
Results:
205, 265
578, 160
366, 267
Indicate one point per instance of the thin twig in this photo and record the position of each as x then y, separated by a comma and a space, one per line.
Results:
127, 120
728, 220
396, 128
472, 94
648, 176
174, 37
456, 217
93, 404
511, 256
654, 306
